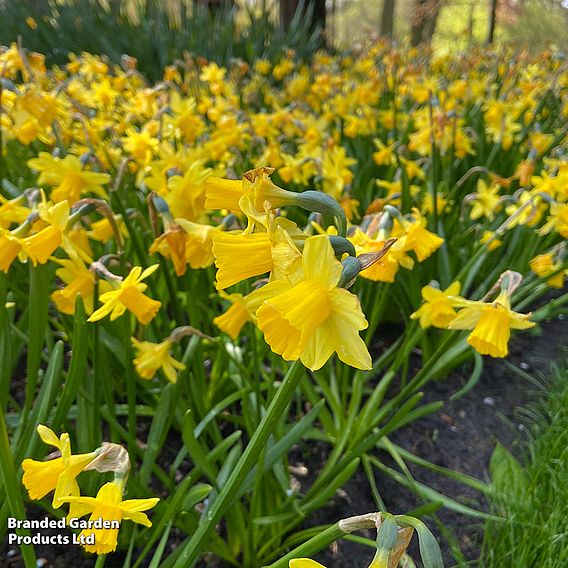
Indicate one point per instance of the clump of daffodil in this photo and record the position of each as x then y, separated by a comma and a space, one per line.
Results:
56, 474
491, 322
127, 294
59, 474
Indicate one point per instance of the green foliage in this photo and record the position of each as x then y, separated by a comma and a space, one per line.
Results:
533, 499
154, 32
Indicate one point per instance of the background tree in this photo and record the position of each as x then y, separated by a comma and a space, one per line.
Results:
387, 19
424, 19
492, 20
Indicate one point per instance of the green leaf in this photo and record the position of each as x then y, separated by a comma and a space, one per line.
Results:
506, 472
429, 547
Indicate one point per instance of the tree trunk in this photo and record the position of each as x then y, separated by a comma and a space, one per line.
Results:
424, 20
492, 21
387, 20
417, 24
430, 21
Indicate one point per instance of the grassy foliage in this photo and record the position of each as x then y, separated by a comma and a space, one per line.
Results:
532, 496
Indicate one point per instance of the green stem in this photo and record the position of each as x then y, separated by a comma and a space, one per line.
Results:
39, 303
277, 407
13, 490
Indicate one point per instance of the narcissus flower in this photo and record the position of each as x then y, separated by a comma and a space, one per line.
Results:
437, 309
485, 201
10, 246
128, 295
171, 244
79, 280
241, 256
42, 245
418, 239
544, 264
109, 506
243, 308
42, 477
491, 324
387, 268
247, 195
69, 179
304, 563
150, 357
557, 220
314, 318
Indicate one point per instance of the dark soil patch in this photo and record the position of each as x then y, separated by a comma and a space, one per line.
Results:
462, 437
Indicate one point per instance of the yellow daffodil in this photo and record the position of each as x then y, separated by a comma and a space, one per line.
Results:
243, 308
485, 201
42, 245
171, 244
248, 195
241, 256
150, 357
59, 473
489, 238
79, 280
128, 295
418, 239
386, 269
69, 179
109, 506
198, 242
313, 318
557, 220
491, 324
10, 247
437, 309
544, 264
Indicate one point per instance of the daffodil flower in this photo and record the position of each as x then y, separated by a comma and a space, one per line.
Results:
42, 477
313, 318
150, 357
79, 280
68, 178
10, 247
109, 506
128, 295
491, 324
437, 309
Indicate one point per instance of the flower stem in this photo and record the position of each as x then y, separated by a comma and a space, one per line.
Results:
13, 493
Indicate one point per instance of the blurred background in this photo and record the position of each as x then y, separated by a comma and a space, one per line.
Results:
156, 32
